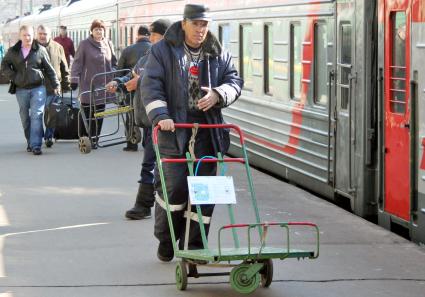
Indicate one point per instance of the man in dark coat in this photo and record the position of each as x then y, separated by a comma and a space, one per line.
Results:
27, 64
131, 54
129, 57
58, 61
146, 194
188, 78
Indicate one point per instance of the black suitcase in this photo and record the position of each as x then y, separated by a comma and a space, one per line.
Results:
63, 116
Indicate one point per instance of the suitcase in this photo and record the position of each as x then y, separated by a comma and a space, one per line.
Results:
63, 116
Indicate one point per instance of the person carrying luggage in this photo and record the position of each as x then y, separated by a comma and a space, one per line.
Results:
188, 78
27, 65
58, 61
94, 55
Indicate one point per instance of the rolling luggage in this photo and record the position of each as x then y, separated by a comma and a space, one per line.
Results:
62, 115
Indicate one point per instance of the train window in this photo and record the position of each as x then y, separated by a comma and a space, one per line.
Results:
245, 55
114, 33
126, 36
268, 58
131, 35
320, 64
398, 63
295, 66
345, 63
224, 36
110, 33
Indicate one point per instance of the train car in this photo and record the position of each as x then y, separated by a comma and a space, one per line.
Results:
79, 15
11, 32
49, 18
326, 104
401, 76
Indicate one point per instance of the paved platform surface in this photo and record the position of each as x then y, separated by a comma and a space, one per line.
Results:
63, 232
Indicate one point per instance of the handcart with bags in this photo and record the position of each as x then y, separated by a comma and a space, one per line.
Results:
115, 106
252, 264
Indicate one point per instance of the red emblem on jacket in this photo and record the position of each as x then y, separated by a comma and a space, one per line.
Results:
194, 70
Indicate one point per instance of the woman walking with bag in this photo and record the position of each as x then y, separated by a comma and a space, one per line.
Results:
94, 55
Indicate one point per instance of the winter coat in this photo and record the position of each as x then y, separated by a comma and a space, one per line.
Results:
58, 61
30, 72
68, 46
140, 117
164, 87
91, 58
131, 54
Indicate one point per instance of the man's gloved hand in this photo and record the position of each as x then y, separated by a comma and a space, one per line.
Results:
74, 86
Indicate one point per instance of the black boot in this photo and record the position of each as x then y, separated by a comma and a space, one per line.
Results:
145, 196
131, 147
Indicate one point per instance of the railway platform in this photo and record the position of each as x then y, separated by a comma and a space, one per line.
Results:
63, 232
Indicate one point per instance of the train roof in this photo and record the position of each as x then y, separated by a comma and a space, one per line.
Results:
86, 6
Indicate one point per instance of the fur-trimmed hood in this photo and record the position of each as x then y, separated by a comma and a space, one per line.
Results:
175, 37
17, 47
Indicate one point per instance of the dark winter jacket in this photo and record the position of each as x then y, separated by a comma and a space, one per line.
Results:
140, 117
92, 58
30, 72
58, 61
164, 87
131, 54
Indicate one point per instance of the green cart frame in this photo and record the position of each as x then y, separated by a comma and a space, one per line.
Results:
254, 263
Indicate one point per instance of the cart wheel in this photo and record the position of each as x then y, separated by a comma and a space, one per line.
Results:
84, 145
181, 276
136, 136
239, 281
267, 273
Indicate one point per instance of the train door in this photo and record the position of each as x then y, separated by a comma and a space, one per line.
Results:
397, 183
344, 105
417, 97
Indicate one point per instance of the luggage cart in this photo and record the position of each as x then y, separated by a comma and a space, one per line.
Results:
254, 263
118, 105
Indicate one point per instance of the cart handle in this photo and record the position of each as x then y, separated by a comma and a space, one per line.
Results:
202, 126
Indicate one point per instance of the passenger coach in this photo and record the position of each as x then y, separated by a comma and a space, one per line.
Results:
334, 90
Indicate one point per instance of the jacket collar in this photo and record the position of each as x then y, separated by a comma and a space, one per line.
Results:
143, 39
175, 37
17, 47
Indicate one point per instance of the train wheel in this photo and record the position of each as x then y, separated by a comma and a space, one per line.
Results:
181, 276
267, 273
84, 145
239, 281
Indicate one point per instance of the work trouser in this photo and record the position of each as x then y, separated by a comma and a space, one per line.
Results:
176, 184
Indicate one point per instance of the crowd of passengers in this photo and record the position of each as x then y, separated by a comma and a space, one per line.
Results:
180, 74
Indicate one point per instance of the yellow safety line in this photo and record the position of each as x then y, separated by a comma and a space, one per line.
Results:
120, 110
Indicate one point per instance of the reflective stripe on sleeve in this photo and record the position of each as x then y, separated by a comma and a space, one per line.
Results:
173, 207
194, 217
155, 104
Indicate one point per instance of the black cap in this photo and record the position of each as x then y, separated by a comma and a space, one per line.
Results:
143, 31
160, 26
195, 12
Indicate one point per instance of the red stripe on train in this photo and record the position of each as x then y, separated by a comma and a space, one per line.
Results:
297, 117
